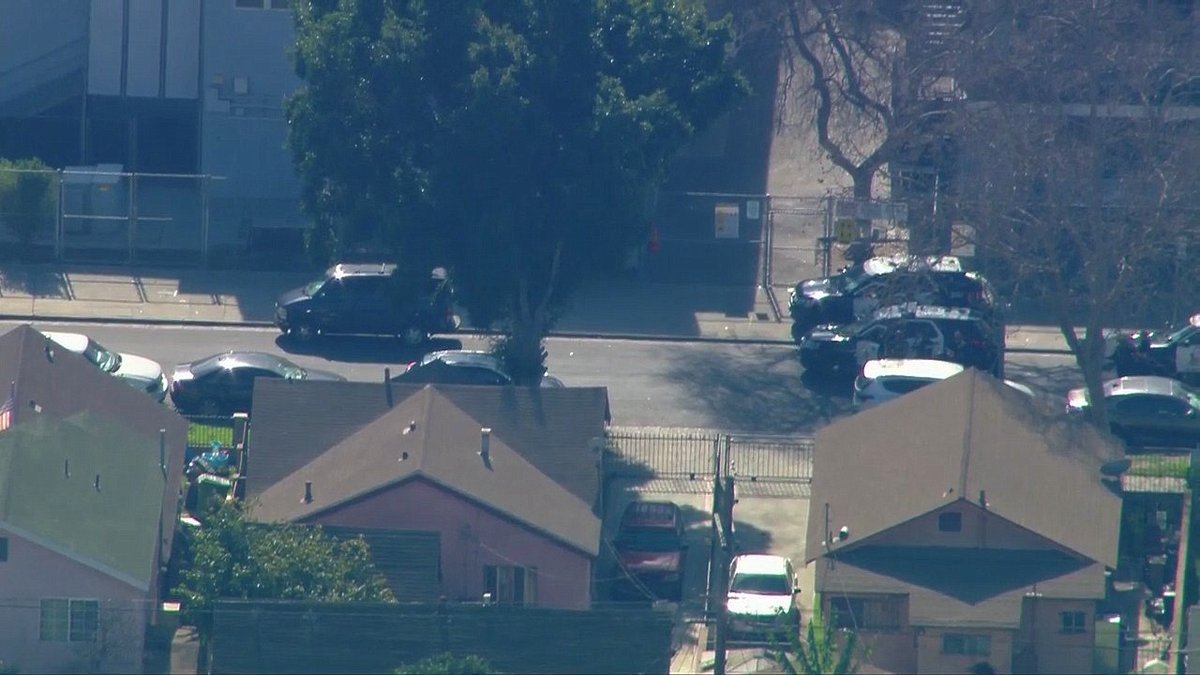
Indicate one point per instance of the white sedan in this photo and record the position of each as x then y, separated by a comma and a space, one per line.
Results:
882, 380
138, 372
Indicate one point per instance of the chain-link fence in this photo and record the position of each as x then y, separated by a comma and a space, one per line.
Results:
105, 216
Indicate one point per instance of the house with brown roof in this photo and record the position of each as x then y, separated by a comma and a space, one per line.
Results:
90, 472
508, 478
963, 524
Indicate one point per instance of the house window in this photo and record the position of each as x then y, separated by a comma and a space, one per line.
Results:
263, 4
64, 620
950, 521
509, 584
869, 613
965, 644
3, 549
1073, 622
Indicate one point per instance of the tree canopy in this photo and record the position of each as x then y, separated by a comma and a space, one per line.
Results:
449, 664
519, 143
230, 557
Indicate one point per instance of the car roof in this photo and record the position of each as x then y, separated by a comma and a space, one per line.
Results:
74, 342
886, 264
252, 360
1145, 384
929, 369
361, 269
758, 563
463, 357
912, 310
661, 514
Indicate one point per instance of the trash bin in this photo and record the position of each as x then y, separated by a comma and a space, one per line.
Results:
211, 492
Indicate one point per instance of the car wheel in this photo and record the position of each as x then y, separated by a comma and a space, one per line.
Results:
303, 332
413, 336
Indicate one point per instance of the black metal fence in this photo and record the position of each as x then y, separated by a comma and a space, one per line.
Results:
666, 452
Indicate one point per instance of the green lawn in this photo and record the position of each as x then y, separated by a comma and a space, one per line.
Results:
1163, 466
202, 435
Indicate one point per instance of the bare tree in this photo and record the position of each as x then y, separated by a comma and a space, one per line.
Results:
1077, 160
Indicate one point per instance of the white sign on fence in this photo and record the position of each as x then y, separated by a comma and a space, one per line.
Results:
727, 218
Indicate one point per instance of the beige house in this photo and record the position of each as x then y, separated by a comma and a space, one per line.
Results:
964, 524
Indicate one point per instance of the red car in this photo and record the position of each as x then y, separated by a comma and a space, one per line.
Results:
651, 551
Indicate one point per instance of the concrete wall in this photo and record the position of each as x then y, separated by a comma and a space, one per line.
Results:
32, 28
151, 52
473, 537
246, 75
980, 528
32, 573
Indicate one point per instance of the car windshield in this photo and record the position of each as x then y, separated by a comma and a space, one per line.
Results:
1179, 334
290, 371
311, 288
656, 540
107, 361
760, 584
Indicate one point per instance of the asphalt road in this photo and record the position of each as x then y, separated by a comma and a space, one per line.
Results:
728, 386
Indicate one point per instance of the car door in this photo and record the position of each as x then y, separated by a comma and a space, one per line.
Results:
329, 307
1176, 421
869, 343
370, 311
1135, 418
241, 387
1187, 355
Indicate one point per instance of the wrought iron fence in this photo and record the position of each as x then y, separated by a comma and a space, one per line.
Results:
665, 452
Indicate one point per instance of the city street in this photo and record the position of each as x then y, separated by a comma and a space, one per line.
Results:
727, 386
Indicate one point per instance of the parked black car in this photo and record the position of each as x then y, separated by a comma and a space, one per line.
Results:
908, 331
368, 299
223, 384
1168, 353
856, 292
1147, 411
462, 366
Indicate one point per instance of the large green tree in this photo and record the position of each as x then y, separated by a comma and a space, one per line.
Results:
520, 142
230, 557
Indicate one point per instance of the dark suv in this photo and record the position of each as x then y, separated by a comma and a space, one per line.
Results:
368, 299
964, 336
651, 551
858, 291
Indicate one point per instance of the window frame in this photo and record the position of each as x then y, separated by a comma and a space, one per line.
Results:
967, 644
3, 549
950, 521
70, 620
511, 584
1072, 622
262, 4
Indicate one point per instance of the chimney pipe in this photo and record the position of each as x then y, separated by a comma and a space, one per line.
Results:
485, 442
66, 468
387, 384
97, 483
162, 450
308, 492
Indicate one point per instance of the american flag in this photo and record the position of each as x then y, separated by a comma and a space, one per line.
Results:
6, 413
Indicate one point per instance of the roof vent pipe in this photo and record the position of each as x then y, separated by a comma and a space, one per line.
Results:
485, 442
308, 492
387, 385
162, 451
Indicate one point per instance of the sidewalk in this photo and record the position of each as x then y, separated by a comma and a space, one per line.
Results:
623, 308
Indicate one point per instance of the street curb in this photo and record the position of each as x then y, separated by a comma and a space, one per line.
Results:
581, 335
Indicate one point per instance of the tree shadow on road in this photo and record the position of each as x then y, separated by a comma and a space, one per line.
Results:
34, 281
757, 390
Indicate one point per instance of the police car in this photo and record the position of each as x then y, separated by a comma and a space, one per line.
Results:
909, 331
1171, 353
858, 291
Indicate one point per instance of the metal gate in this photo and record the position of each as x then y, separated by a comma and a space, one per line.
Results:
664, 452
797, 226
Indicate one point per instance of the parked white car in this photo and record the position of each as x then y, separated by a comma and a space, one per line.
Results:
883, 380
762, 595
138, 372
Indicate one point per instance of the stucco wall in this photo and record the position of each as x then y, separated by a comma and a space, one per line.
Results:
931, 659
473, 537
32, 573
1044, 643
980, 528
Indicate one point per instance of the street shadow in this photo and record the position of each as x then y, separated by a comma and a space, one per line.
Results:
35, 281
365, 349
756, 390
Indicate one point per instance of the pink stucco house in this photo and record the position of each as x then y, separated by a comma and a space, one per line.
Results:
508, 479
961, 525
90, 471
